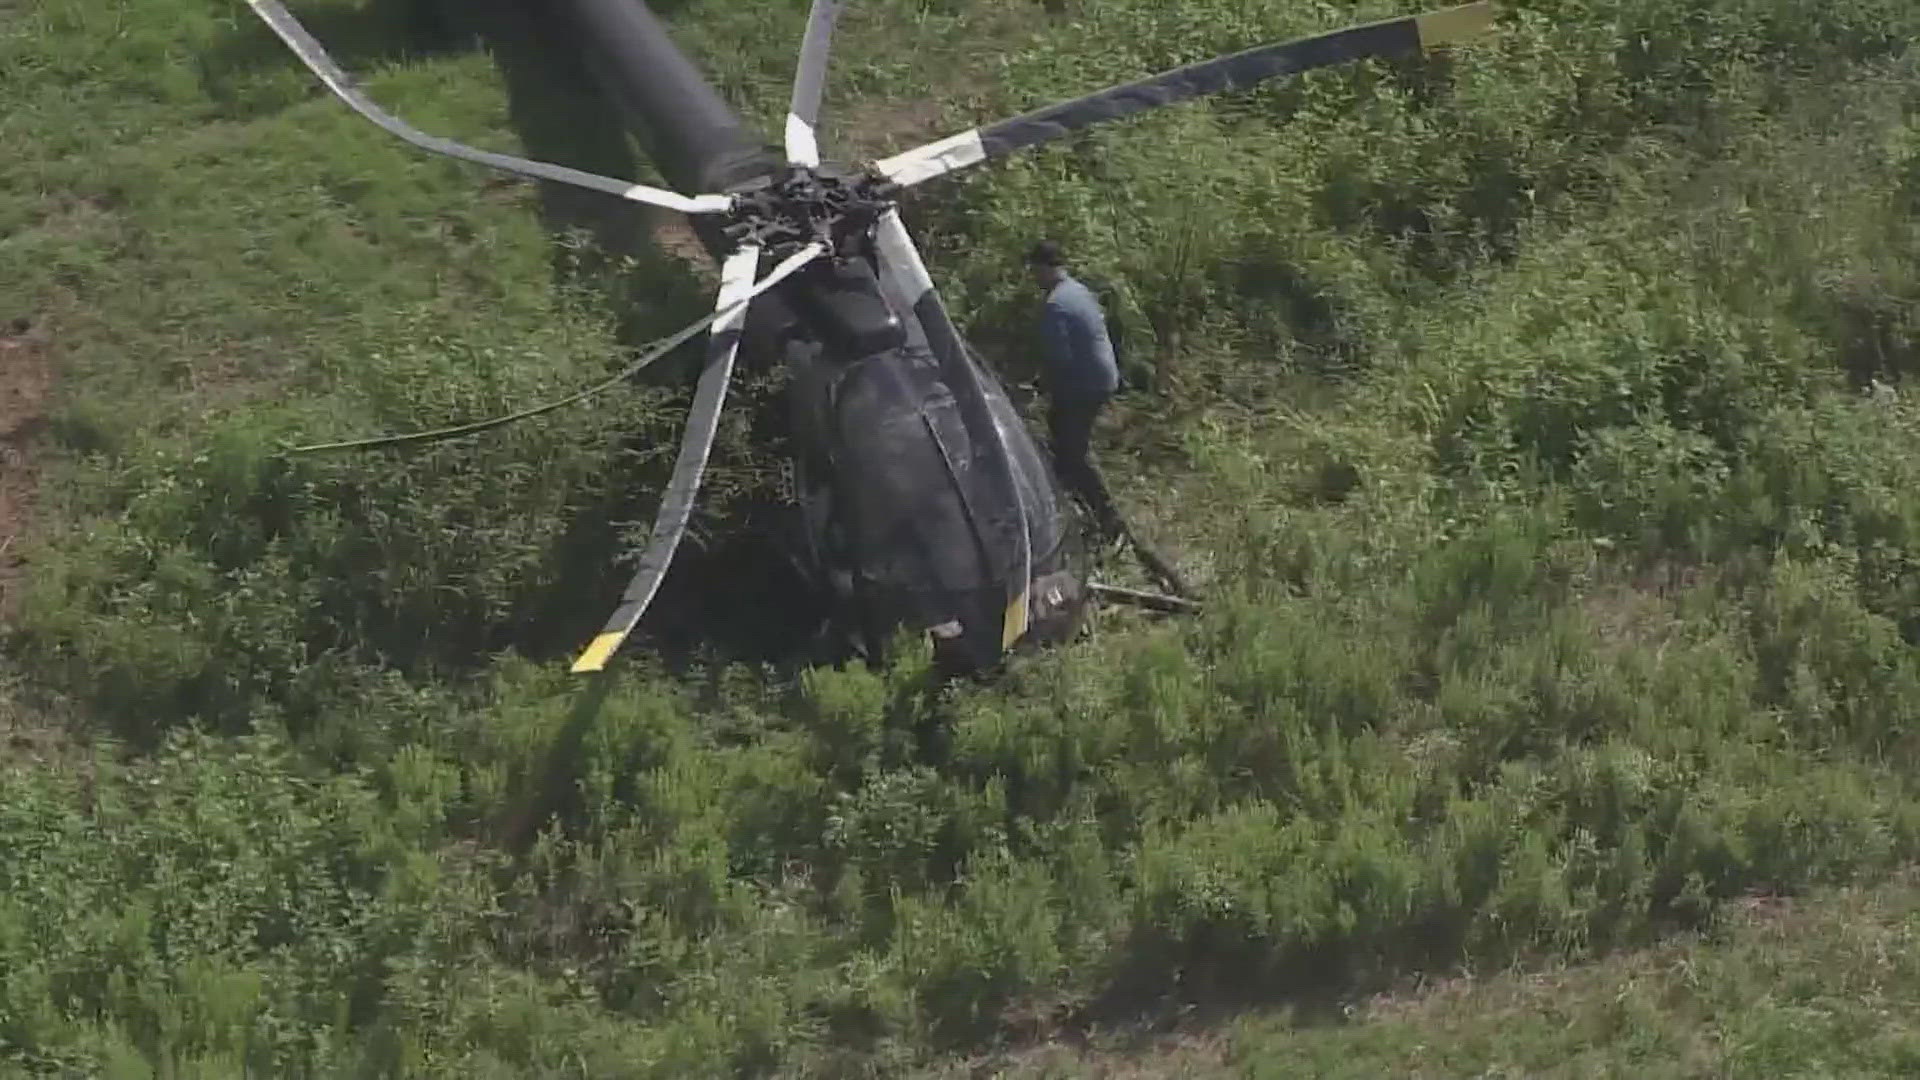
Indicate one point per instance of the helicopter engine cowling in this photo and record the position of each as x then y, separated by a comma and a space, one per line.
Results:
843, 307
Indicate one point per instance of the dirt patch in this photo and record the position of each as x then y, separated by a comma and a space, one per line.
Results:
1626, 616
874, 129
673, 234
26, 378
30, 740
1639, 609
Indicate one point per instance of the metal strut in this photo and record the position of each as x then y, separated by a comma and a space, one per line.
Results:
1172, 605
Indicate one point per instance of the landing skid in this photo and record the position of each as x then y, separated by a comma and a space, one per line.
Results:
1157, 566
1171, 605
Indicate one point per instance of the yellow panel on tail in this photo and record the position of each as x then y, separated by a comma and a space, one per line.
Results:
1015, 624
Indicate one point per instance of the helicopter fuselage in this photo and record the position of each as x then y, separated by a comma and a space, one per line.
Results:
904, 524
923, 503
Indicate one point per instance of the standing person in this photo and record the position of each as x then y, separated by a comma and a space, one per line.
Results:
1079, 375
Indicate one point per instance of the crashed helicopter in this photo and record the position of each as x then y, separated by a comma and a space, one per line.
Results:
924, 501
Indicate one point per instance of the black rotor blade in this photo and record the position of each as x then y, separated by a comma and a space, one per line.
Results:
1235, 71
809, 84
688, 469
314, 55
908, 282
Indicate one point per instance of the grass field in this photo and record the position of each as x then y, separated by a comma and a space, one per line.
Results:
1825, 986
1534, 420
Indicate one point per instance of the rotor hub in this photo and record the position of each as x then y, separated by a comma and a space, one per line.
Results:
784, 212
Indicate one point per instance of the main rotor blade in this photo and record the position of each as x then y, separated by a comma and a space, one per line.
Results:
809, 84
736, 282
315, 57
1237, 71
907, 279
780, 273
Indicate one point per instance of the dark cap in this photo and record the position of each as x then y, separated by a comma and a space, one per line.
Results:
1045, 253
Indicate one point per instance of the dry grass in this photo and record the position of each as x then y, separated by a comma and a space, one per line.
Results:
26, 380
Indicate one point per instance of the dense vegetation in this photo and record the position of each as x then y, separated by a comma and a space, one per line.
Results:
1523, 414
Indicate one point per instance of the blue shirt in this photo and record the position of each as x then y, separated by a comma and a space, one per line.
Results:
1079, 361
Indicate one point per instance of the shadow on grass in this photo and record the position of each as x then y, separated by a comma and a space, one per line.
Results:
547, 794
1165, 989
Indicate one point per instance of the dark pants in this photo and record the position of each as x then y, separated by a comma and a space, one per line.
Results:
1070, 426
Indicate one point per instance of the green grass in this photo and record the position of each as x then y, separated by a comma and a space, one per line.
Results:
1825, 985
1512, 411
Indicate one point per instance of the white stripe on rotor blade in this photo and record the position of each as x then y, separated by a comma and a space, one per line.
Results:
902, 301
900, 294
901, 257
736, 284
810, 83
672, 200
801, 147
902, 266
315, 56
934, 159
689, 468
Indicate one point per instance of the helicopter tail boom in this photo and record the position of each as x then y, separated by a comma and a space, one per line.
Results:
698, 141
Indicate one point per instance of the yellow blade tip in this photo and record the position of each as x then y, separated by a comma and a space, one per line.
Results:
1015, 623
596, 655
1439, 27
